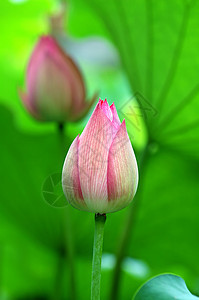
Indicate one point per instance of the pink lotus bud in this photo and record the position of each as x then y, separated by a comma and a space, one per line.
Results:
100, 172
55, 88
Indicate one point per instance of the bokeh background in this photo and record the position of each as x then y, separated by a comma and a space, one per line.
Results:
143, 55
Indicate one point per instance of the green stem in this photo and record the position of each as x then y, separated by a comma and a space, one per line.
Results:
126, 235
58, 283
61, 139
69, 246
97, 256
68, 241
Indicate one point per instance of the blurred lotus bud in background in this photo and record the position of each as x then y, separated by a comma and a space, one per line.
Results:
100, 172
55, 87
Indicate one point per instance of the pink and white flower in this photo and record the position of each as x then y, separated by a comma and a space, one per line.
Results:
55, 87
100, 171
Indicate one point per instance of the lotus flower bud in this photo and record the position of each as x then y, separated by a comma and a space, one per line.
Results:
55, 88
100, 171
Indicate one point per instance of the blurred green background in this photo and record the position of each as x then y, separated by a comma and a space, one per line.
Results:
149, 59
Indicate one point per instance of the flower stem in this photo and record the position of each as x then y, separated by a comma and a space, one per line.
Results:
59, 274
97, 256
69, 246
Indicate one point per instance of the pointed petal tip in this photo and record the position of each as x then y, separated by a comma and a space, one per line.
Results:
123, 126
77, 138
116, 120
106, 109
123, 123
112, 105
103, 102
47, 39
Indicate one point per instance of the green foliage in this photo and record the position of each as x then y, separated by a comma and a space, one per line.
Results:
157, 42
165, 287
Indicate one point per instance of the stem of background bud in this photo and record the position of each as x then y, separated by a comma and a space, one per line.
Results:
57, 288
67, 236
97, 256
69, 246
126, 235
